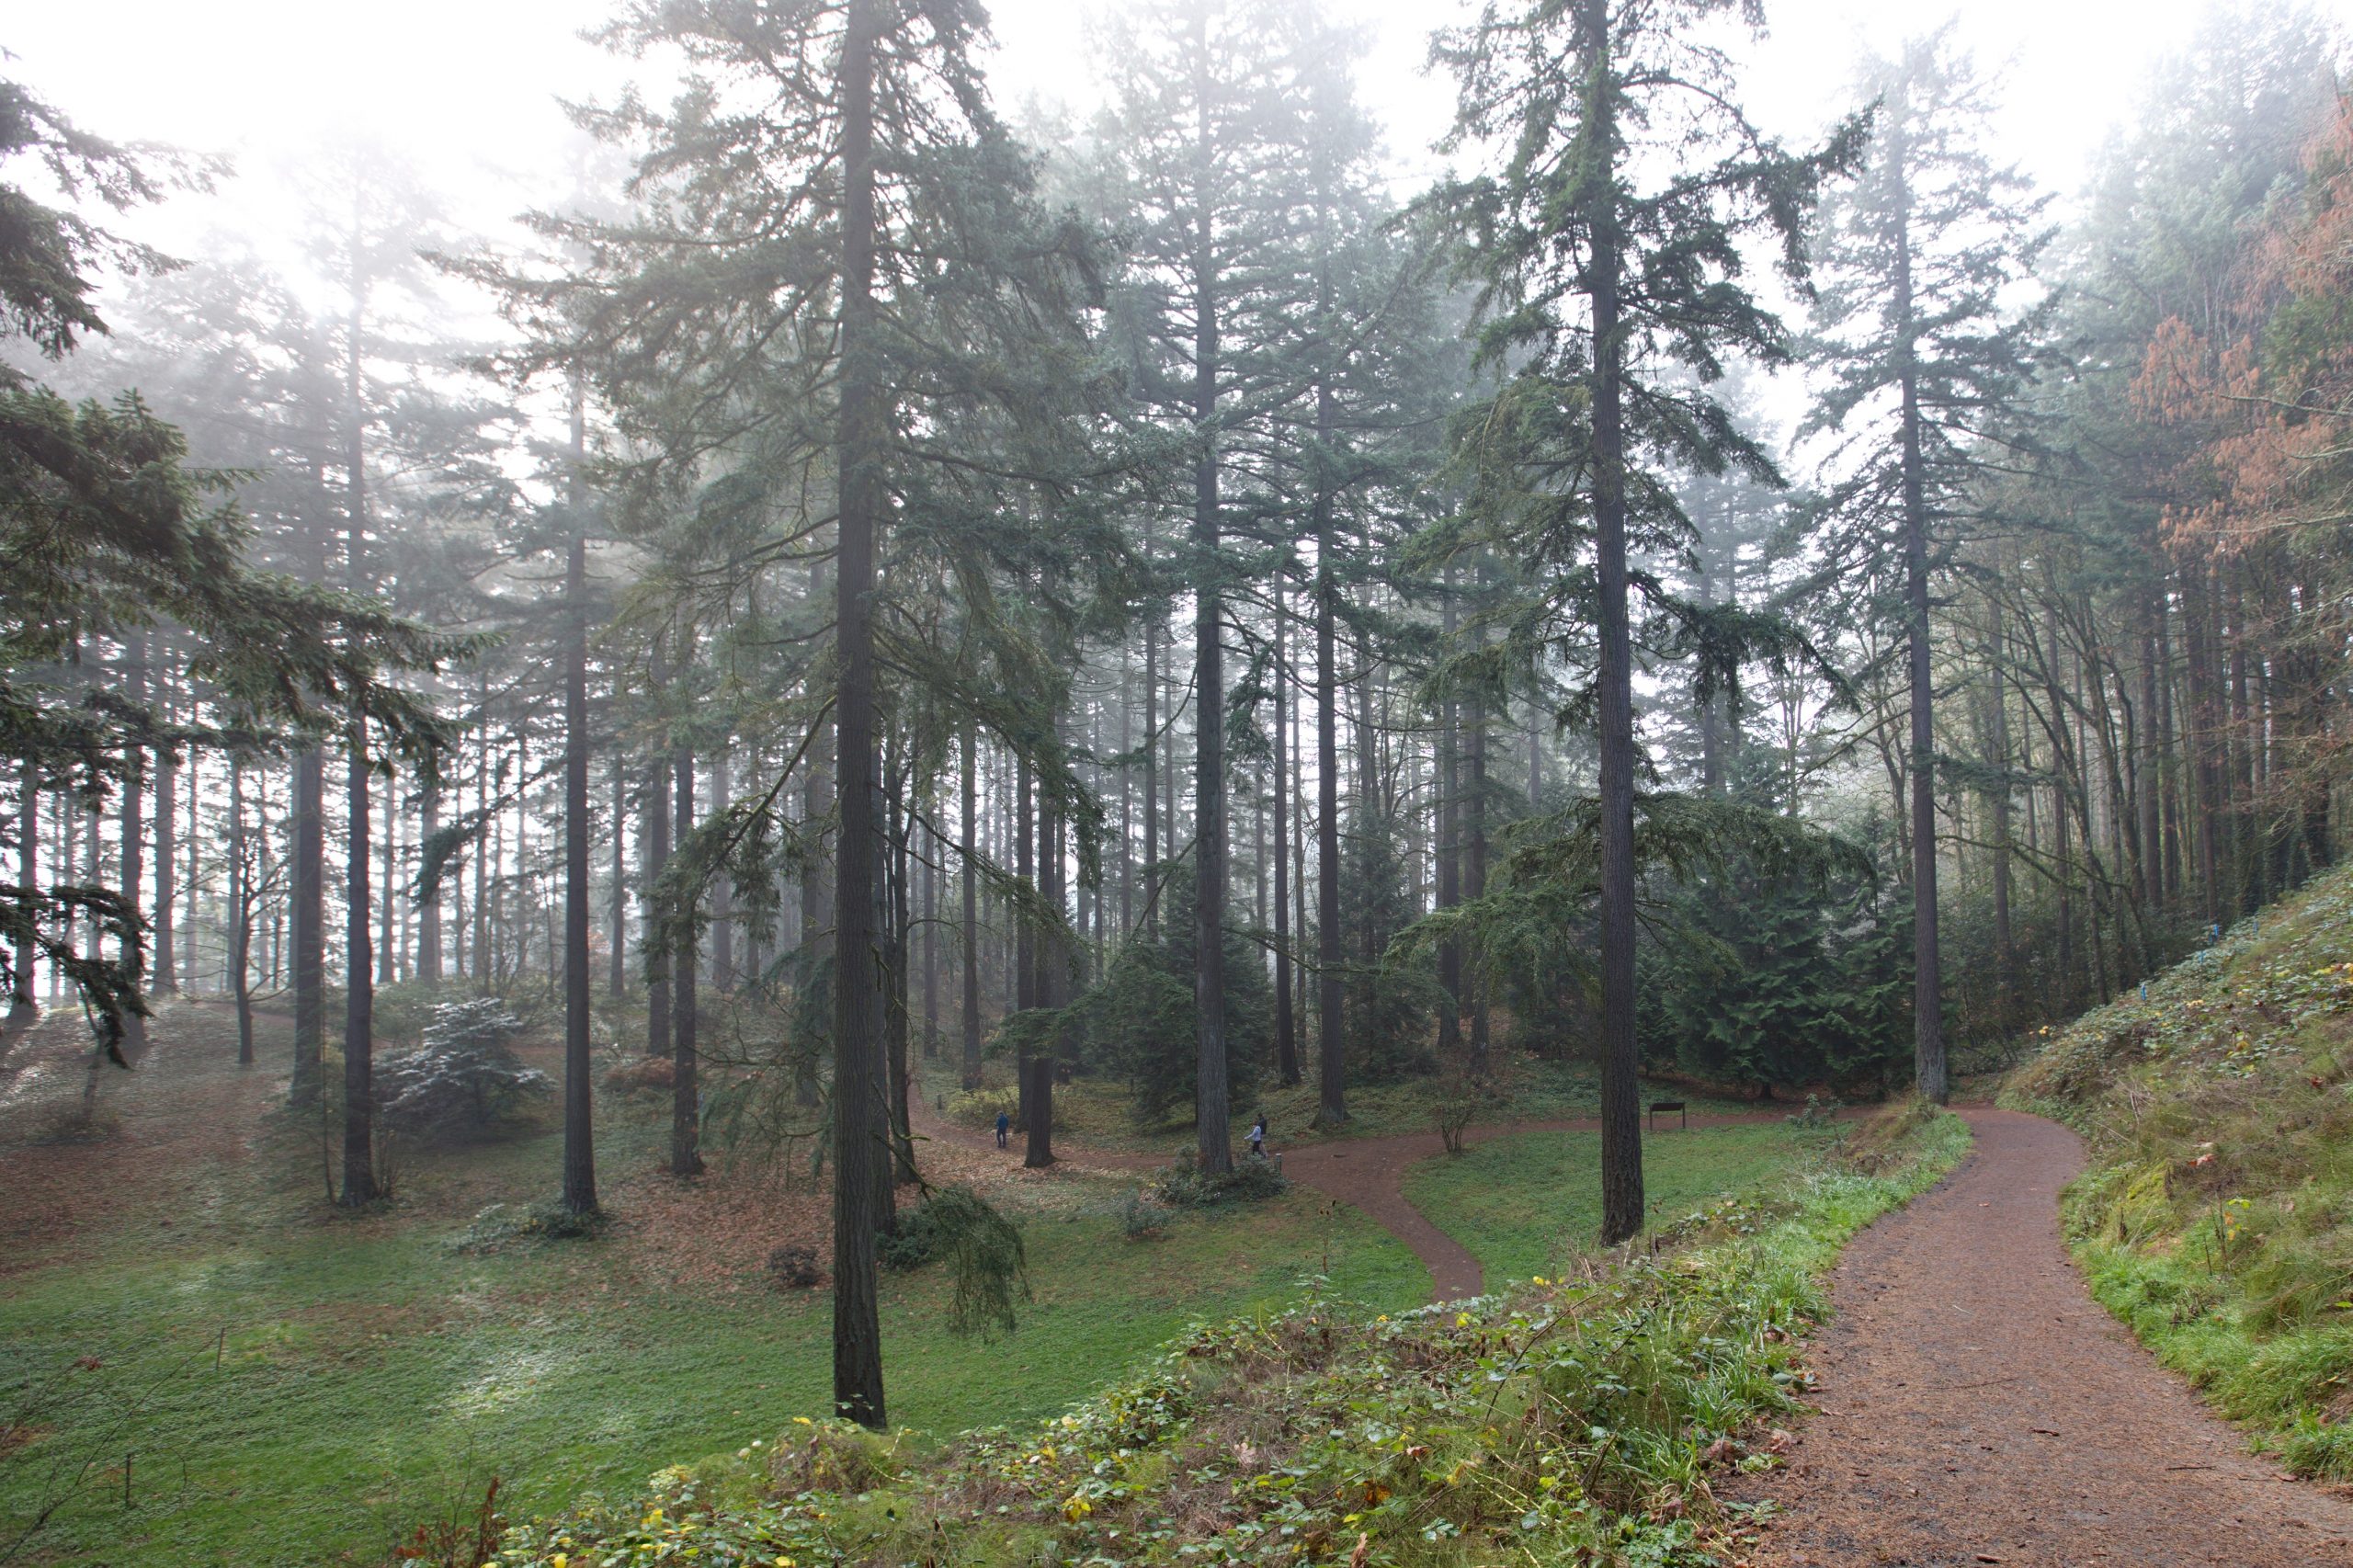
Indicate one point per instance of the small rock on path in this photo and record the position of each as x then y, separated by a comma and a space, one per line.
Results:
1978, 1406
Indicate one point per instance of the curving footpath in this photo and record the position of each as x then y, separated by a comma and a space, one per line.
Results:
1368, 1173
1979, 1407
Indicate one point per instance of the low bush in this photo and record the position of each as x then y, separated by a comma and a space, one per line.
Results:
646, 1076
1141, 1219
1186, 1186
979, 1107
795, 1268
958, 1226
500, 1224
464, 1076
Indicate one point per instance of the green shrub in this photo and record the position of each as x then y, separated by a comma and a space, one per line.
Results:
1186, 1186
500, 1224
957, 1226
464, 1074
1142, 1218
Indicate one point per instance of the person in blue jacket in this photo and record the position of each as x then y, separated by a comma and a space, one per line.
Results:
1004, 1129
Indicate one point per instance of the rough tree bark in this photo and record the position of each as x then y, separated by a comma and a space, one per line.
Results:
686, 1092
1621, 1149
859, 1150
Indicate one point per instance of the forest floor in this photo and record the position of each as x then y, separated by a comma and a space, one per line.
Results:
200, 1354
285, 1382
1979, 1407
1510, 1193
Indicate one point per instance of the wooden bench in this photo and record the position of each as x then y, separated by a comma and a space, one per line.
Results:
1677, 1106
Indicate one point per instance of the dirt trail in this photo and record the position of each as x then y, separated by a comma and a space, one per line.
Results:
1979, 1407
1368, 1173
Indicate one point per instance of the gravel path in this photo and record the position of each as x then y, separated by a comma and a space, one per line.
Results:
1979, 1407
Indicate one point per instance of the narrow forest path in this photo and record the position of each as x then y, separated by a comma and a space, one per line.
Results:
1979, 1407
1368, 1173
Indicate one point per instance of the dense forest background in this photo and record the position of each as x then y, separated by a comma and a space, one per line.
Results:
1136, 595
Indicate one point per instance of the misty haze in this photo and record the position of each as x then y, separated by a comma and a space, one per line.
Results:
1175, 782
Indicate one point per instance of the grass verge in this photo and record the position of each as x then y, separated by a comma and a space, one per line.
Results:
1569, 1421
1523, 1201
2215, 1216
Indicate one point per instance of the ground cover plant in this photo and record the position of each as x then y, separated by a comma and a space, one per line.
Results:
1566, 1420
2216, 1215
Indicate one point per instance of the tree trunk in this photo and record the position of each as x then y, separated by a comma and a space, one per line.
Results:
1024, 938
858, 1145
1331, 1055
388, 931
972, 893
1213, 1145
1621, 1149
131, 868
685, 1094
1447, 849
655, 852
240, 913
616, 976
1152, 772
1285, 1022
579, 1131
308, 934
899, 1081
1475, 867
817, 890
1040, 1153
931, 946
2004, 942
20, 989
359, 1003
1928, 1001
723, 891
167, 781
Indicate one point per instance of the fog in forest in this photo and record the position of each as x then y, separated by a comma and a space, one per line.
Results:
805, 665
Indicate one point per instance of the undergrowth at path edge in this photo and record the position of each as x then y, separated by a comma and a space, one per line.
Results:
1564, 1421
2215, 1216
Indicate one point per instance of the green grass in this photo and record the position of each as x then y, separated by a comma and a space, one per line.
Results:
1523, 1201
1093, 1112
2215, 1215
370, 1376
1584, 1422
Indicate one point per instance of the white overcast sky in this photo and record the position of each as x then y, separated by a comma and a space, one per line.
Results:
467, 89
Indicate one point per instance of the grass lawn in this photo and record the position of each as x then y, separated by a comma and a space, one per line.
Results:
1093, 1113
293, 1388
1522, 1203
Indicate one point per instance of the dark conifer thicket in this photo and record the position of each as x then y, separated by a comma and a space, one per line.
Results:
1135, 595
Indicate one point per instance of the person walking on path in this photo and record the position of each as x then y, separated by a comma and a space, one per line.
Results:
1258, 1137
1003, 1128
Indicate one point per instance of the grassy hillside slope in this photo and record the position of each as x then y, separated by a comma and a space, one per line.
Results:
1564, 1421
2216, 1216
